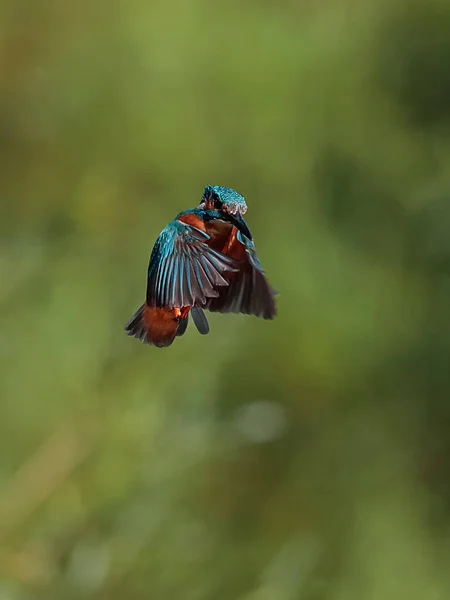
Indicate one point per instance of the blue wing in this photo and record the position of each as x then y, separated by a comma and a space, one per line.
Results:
183, 269
248, 292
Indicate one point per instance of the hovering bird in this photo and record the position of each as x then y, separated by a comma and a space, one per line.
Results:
204, 259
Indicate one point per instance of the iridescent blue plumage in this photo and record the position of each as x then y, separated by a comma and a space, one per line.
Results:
183, 269
224, 199
204, 259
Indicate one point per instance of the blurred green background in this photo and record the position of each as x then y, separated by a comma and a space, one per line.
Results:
304, 458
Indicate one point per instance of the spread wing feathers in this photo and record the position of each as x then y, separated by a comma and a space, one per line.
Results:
183, 269
136, 327
249, 291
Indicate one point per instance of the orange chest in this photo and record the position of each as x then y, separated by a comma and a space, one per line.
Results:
222, 235
223, 239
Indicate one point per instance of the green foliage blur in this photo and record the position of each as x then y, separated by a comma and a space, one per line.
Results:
305, 458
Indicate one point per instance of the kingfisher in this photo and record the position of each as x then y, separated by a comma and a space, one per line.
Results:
205, 259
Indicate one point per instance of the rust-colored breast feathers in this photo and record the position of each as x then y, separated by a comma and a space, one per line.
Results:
194, 220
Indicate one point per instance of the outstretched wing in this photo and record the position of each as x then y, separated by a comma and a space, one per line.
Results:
183, 269
248, 291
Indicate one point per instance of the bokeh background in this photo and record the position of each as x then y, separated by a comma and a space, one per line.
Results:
304, 458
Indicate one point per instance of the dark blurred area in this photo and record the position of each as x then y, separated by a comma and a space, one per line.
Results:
304, 458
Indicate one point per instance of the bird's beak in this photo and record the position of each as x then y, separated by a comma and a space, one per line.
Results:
238, 221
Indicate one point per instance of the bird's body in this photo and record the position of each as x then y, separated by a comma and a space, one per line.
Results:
204, 259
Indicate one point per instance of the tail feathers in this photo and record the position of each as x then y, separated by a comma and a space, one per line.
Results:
200, 320
183, 326
154, 326
136, 327
159, 326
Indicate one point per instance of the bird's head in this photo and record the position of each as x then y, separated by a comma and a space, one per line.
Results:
228, 202
224, 200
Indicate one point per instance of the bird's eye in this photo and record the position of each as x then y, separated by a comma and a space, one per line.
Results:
217, 201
